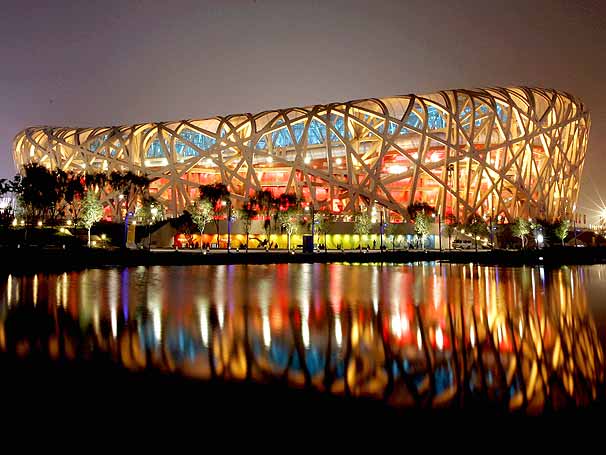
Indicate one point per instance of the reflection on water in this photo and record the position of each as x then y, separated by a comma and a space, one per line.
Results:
413, 335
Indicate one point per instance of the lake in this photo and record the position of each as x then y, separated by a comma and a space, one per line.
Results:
422, 335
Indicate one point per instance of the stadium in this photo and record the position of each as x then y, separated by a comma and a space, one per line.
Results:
500, 152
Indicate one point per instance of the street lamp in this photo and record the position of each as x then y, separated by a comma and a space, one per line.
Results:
228, 225
381, 230
128, 215
227, 203
310, 207
440, 231
154, 213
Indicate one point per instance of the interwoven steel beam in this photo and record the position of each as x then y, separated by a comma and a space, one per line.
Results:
500, 152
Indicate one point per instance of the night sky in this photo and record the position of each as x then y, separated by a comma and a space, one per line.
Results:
75, 63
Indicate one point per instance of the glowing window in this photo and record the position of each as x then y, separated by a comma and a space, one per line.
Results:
316, 134
435, 121
155, 150
413, 120
97, 143
339, 125
281, 138
198, 139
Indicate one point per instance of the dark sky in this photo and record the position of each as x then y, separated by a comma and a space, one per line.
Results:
84, 63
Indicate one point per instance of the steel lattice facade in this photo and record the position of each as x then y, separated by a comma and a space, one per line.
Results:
496, 152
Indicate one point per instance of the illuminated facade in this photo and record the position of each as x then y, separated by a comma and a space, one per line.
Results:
497, 152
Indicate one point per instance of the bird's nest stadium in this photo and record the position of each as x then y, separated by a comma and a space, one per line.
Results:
499, 152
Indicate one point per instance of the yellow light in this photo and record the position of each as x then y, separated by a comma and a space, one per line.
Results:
307, 160
69, 222
397, 169
103, 236
39, 223
94, 242
339, 161
15, 222
477, 237
22, 223
270, 159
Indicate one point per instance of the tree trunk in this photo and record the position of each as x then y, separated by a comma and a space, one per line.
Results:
289, 242
217, 228
201, 243
247, 233
89, 237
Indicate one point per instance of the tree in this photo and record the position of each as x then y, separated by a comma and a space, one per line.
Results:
288, 214
362, 224
520, 229
201, 214
74, 195
289, 220
247, 214
266, 205
561, 230
6, 215
216, 194
420, 207
91, 212
477, 227
58, 206
422, 221
36, 191
129, 186
450, 226
324, 222
148, 213
420, 213
95, 181
391, 230
184, 224
536, 227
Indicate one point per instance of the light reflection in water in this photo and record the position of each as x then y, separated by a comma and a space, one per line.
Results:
34, 290
204, 326
412, 335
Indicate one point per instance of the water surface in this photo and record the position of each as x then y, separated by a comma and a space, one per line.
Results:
414, 335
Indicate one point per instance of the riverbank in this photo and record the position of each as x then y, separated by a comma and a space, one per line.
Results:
33, 260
